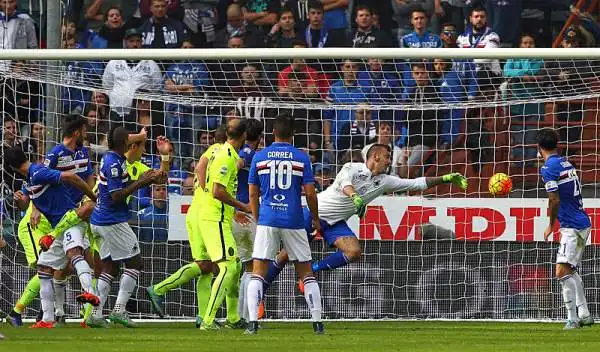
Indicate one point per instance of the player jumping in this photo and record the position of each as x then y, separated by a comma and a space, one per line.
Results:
566, 205
355, 186
201, 268
115, 238
279, 173
45, 189
71, 156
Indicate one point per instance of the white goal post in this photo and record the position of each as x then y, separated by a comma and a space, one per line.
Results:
443, 254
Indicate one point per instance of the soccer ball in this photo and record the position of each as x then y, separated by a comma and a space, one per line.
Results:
500, 185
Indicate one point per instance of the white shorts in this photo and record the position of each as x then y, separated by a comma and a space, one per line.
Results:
117, 241
572, 244
56, 256
268, 240
244, 238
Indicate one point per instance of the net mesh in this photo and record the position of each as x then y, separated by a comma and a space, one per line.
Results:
441, 254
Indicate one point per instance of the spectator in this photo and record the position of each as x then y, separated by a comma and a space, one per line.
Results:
448, 35
352, 156
188, 184
122, 79
505, 19
523, 76
112, 32
478, 35
34, 146
420, 37
236, 27
22, 96
207, 138
300, 9
452, 11
382, 13
380, 86
422, 124
307, 122
96, 126
253, 96
173, 9
186, 78
324, 175
385, 135
17, 30
315, 85
96, 12
345, 92
9, 139
454, 87
99, 103
336, 19
317, 34
283, 34
149, 115
162, 31
153, 219
200, 17
361, 131
403, 10
366, 35
75, 75
261, 15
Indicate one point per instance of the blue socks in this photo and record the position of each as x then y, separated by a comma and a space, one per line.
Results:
336, 260
272, 274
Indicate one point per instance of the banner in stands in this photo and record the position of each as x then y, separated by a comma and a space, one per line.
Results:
413, 218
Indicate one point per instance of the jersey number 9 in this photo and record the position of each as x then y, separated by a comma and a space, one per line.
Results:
280, 174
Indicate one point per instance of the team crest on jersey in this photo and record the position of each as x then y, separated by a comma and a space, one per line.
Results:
47, 162
224, 170
114, 172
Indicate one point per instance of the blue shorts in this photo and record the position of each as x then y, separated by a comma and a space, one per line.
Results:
330, 232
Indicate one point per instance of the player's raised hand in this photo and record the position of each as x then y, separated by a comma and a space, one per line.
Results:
163, 145
457, 179
359, 204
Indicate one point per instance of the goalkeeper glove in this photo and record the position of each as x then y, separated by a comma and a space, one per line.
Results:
359, 204
46, 241
456, 179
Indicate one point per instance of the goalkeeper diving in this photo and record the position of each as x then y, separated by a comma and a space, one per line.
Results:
355, 186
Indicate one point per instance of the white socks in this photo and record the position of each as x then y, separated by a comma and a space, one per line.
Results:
127, 285
242, 301
47, 296
104, 282
254, 296
580, 301
569, 289
60, 288
312, 294
84, 272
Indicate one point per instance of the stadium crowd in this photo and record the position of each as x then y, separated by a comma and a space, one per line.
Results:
136, 93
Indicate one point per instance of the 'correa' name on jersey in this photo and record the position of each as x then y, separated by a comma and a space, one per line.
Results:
280, 171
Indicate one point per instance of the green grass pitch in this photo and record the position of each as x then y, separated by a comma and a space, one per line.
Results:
340, 337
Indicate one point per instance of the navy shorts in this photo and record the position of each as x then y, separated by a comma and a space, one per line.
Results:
330, 232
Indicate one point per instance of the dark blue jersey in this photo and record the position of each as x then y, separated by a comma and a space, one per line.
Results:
112, 177
280, 171
47, 193
560, 176
76, 161
246, 154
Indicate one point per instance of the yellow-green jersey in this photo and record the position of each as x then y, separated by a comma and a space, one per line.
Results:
135, 170
222, 169
207, 154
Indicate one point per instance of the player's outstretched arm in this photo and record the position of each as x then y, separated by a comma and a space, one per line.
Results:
220, 193
142, 136
165, 149
553, 205
147, 178
454, 178
254, 195
76, 181
397, 184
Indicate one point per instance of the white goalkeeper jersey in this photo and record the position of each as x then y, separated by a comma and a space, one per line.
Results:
335, 206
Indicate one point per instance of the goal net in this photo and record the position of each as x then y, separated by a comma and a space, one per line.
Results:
441, 254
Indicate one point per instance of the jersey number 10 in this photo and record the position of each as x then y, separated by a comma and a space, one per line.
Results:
280, 174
